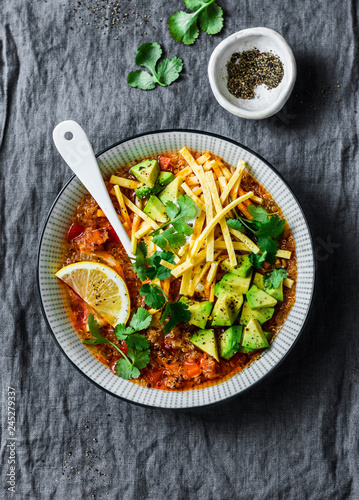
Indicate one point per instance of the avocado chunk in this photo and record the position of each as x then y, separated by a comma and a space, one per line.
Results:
262, 315
242, 268
172, 191
155, 209
200, 311
229, 341
226, 309
253, 336
147, 172
277, 293
258, 298
206, 341
165, 178
233, 284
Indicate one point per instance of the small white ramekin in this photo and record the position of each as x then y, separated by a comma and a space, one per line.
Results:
267, 102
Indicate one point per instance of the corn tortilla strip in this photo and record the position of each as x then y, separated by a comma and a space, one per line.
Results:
288, 282
234, 191
215, 221
222, 222
184, 172
139, 212
197, 278
180, 269
192, 181
183, 250
209, 213
121, 202
205, 157
198, 225
186, 279
212, 273
135, 224
166, 286
195, 198
227, 174
197, 190
211, 293
284, 254
237, 245
143, 230
233, 178
257, 199
100, 213
244, 239
126, 183
189, 159
167, 264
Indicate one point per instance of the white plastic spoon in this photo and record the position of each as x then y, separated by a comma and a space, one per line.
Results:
73, 145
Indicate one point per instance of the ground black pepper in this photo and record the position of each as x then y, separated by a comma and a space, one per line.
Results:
247, 70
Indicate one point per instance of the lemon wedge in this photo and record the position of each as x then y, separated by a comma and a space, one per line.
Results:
100, 287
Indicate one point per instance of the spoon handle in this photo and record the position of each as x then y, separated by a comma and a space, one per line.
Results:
73, 145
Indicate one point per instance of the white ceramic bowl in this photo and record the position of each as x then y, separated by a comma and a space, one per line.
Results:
50, 258
266, 102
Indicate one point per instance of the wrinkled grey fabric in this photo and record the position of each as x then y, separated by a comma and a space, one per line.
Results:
295, 436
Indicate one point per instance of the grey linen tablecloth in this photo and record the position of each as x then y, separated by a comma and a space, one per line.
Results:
295, 436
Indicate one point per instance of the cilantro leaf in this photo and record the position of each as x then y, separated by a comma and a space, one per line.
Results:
187, 206
138, 342
141, 80
257, 260
172, 210
169, 70
153, 296
211, 19
150, 267
269, 246
177, 312
175, 236
148, 55
274, 278
183, 26
273, 228
122, 331
95, 332
141, 358
258, 213
140, 320
169, 237
124, 369
235, 224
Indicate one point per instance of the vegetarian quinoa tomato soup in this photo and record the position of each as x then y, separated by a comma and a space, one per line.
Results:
209, 287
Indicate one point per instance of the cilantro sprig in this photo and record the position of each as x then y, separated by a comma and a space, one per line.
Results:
138, 352
175, 236
151, 267
274, 278
175, 312
183, 26
166, 73
266, 227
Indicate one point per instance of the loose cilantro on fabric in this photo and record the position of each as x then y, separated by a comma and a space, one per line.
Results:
175, 236
183, 26
267, 229
138, 352
151, 267
274, 278
167, 72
